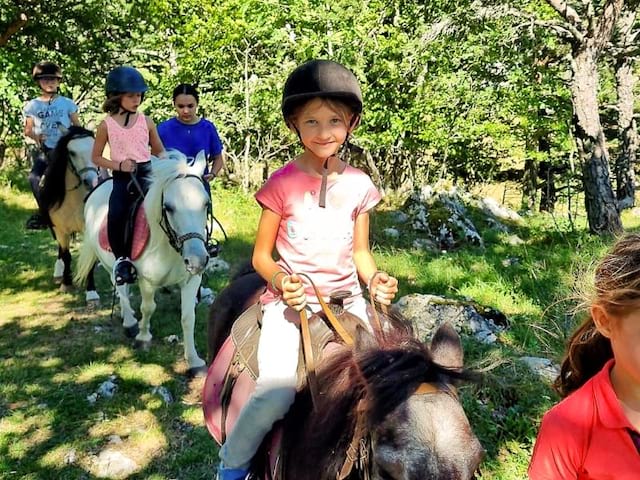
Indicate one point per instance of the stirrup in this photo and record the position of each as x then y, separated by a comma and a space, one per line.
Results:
124, 272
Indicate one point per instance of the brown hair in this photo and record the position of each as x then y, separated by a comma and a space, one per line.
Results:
616, 288
339, 106
112, 103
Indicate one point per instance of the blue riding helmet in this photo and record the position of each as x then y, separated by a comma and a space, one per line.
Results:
125, 79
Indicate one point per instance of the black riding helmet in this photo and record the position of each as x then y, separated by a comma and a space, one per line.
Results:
323, 79
125, 79
46, 70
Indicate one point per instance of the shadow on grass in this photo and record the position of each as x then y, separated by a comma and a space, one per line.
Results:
55, 354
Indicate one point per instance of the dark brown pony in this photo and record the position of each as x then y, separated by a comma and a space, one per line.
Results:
390, 402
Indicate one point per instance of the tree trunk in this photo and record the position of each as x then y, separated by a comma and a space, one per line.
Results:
625, 175
529, 184
600, 203
547, 187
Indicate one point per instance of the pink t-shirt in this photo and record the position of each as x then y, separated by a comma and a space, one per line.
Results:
130, 142
314, 240
586, 437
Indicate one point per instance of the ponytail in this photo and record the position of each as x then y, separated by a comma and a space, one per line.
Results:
587, 352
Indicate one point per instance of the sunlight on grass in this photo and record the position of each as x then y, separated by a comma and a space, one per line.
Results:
148, 373
24, 433
193, 415
94, 371
121, 354
56, 456
141, 435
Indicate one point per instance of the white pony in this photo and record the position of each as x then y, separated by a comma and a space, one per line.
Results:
176, 209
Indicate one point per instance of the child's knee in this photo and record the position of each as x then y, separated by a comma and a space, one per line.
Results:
275, 402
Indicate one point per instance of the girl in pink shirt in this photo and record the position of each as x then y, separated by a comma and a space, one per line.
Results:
129, 135
315, 215
593, 434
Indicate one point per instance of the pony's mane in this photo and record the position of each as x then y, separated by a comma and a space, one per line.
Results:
53, 189
384, 371
163, 171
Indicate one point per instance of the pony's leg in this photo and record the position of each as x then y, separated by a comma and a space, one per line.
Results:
67, 280
129, 320
195, 365
58, 268
147, 307
91, 294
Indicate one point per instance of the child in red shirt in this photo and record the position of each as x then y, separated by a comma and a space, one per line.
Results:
593, 434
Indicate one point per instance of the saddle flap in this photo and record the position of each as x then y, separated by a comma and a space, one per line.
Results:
140, 233
245, 334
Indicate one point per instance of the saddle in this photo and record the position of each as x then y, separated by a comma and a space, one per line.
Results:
137, 231
232, 374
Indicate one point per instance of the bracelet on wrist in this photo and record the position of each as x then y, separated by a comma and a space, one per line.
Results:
274, 278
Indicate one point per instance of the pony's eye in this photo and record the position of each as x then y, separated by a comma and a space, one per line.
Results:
169, 208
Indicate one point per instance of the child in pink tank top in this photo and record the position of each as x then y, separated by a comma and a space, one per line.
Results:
315, 214
129, 135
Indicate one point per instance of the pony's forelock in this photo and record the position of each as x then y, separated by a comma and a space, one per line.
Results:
164, 170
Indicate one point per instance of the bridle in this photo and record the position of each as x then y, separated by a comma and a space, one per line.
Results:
175, 240
358, 452
72, 167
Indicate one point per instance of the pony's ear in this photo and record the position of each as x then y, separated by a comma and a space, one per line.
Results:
446, 347
199, 164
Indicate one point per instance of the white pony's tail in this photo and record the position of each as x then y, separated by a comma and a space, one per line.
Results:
86, 261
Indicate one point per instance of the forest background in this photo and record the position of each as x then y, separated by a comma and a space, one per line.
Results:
539, 94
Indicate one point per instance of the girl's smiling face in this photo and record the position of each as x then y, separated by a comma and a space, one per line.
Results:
186, 107
323, 127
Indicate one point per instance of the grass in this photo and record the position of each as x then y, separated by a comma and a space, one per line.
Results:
54, 353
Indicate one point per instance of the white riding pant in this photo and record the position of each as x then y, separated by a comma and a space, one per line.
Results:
278, 351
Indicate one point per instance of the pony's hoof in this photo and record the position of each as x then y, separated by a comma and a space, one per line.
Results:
93, 305
132, 331
142, 345
66, 288
197, 372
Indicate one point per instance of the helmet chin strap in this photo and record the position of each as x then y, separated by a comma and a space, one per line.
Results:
322, 200
128, 113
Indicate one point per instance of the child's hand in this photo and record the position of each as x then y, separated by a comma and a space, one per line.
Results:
383, 287
293, 292
128, 165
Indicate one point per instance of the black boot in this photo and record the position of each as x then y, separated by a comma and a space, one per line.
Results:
124, 271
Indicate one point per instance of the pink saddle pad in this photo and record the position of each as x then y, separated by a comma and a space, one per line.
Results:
141, 234
243, 388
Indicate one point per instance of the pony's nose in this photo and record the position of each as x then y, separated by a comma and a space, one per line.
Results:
196, 265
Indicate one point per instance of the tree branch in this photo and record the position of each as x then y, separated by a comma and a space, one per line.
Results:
565, 11
606, 23
13, 27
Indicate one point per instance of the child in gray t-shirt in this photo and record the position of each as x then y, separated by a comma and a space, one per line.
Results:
43, 117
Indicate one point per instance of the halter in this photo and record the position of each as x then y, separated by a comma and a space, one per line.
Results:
175, 240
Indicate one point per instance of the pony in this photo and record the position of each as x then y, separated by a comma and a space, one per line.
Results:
176, 207
68, 179
388, 407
